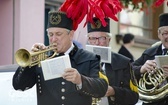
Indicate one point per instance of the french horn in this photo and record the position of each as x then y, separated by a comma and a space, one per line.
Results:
25, 58
151, 87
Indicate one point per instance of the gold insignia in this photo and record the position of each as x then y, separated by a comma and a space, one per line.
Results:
96, 25
55, 19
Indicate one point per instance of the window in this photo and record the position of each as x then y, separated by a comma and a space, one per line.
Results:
143, 24
137, 23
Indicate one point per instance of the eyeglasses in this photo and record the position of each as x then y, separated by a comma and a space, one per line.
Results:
165, 34
100, 39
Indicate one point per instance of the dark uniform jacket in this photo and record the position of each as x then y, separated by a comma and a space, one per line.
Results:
124, 51
119, 76
148, 54
59, 91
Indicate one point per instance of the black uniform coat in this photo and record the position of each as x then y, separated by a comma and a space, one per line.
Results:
124, 51
59, 91
119, 76
148, 54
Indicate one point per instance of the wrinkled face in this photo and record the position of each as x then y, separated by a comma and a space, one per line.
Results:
98, 38
60, 37
163, 35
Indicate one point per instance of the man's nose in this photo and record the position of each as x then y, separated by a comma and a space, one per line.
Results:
54, 38
97, 41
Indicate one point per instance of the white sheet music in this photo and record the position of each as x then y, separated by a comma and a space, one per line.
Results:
161, 60
104, 52
54, 68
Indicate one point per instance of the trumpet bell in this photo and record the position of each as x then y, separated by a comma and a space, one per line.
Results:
23, 57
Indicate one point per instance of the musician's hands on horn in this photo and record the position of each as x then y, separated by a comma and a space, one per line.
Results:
38, 46
149, 67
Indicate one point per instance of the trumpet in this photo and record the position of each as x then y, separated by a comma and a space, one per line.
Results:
25, 58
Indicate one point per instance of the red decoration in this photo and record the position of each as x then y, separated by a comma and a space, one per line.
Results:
144, 4
78, 9
158, 3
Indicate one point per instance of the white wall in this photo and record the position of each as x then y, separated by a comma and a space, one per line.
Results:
165, 7
22, 25
6, 31
9, 96
29, 23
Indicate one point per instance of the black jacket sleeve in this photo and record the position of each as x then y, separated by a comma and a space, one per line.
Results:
119, 73
123, 94
24, 78
95, 87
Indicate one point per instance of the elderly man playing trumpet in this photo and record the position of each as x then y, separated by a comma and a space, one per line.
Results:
78, 84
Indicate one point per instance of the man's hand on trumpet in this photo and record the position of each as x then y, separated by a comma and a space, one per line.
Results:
38, 46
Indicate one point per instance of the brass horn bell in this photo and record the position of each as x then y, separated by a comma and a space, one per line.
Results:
25, 58
150, 86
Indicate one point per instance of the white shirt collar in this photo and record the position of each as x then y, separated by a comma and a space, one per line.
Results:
69, 50
163, 47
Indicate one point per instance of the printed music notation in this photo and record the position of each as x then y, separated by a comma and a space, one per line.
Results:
161, 60
104, 52
54, 68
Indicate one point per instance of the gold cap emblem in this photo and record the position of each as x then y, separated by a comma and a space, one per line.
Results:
55, 19
96, 25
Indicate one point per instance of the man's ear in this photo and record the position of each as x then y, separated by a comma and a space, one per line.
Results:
71, 33
109, 39
159, 34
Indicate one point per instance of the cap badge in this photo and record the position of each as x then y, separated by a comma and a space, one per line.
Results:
96, 25
55, 19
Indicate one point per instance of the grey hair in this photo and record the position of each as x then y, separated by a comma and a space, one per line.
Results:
108, 34
159, 29
66, 30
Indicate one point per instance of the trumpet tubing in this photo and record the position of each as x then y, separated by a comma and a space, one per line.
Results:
25, 58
